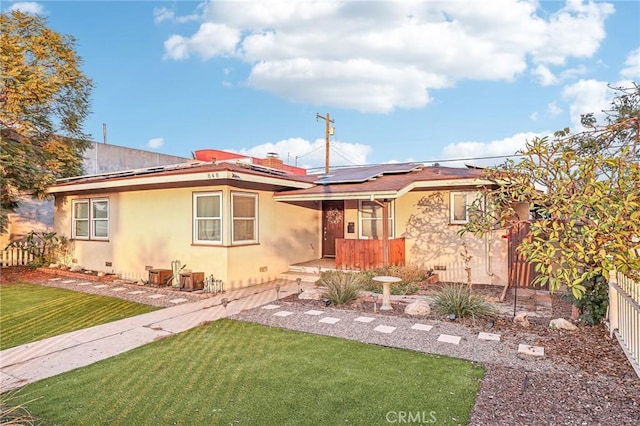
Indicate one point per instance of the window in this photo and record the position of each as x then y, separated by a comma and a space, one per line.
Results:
90, 219
244, 211
459, 204
80, 219
370, 215
207, 217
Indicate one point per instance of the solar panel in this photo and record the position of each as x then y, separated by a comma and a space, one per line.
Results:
364, 173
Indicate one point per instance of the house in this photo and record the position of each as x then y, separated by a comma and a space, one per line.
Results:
247, 223
37, 215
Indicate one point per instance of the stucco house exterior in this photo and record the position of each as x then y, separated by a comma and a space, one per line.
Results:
247, 224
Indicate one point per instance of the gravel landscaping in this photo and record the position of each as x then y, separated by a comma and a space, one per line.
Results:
584, 377
132, 292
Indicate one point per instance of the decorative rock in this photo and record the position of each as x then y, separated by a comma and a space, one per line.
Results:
311, 294
76, 268
419, 307
562, 324
521, 320
54, 266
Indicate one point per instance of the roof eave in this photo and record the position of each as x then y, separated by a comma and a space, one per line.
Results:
186, 179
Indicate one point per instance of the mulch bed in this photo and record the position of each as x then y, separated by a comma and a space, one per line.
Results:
594, 383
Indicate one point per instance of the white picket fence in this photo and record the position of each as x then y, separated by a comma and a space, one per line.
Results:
624, 315
15, 256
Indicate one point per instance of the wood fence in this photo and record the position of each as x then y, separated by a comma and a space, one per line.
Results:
16, 255
364, 255
624, 315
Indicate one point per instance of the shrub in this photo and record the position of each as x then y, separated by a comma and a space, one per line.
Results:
341, 287
457, 299
595, 300
12, 412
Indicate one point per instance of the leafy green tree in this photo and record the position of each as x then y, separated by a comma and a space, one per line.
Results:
44, 99
583, 193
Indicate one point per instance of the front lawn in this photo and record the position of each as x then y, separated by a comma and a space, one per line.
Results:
231, 372
30, 312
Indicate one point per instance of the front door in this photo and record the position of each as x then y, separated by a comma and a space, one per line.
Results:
332, 226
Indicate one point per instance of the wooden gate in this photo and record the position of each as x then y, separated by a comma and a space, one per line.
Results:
521, 272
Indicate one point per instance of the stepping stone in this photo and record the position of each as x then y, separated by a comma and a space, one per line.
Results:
447, 338
100, 286
137, 292
384, 329
68, 281
119, 289
329, 320
176, 301
489, 336
365, 319
282, 314
55, 279
314, 312
85, 283
530, 350
271, 307
156, 296
421, 327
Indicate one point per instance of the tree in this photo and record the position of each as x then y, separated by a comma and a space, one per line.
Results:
45, 99
583, 192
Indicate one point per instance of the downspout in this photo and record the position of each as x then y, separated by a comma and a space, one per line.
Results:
488, 256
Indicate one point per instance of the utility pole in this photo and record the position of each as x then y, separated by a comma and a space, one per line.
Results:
327, 133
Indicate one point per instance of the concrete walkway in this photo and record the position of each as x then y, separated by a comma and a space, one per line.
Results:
31, 362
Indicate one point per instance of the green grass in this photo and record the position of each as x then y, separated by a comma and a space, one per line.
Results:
30, 312
231, 372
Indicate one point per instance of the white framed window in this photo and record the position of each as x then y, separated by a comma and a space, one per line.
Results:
100, 219
207, 217
459, 203
90, 219
80, 219
244, 213
370, 218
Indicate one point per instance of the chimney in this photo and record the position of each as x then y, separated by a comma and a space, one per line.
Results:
272, 161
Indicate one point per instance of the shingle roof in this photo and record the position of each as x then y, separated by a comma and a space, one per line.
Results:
392, 182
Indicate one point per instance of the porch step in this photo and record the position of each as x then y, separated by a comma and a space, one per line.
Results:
306, 277
307, 269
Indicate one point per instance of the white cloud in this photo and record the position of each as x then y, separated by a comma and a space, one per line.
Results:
303, 153
155, 143
533, 116
380, 56
576, 31
554, 110
544, 76
587, 96
497, 148
161, 14
30, 7
631, 68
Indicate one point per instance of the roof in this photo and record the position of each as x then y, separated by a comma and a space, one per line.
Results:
390, 185
194, 173
364, 173
357, 183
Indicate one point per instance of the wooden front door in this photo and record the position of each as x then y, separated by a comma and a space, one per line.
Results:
332, 226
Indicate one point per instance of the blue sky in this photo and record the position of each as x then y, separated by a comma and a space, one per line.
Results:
403, 80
